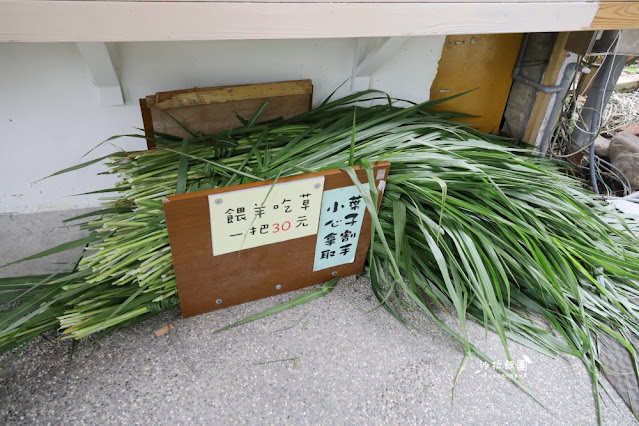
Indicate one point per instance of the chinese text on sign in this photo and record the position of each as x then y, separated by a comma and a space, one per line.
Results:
264, 215
340, 224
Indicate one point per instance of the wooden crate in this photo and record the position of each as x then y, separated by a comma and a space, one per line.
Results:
210, 110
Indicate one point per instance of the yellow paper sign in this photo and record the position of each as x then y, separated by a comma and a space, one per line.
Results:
264, 215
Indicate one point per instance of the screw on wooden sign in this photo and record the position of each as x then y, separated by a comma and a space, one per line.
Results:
264, 215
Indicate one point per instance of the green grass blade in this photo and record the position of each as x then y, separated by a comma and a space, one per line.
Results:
308, 296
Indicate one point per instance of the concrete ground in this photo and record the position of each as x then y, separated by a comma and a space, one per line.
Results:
333, 361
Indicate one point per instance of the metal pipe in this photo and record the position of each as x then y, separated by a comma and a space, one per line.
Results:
602, 87
517, 76
591, 164
569, 71
592, 111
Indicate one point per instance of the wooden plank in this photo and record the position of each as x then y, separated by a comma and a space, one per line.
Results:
147, 122
205, 96
38, 20
213, 118
616, 15
551, 78
213, 109
356, 1
482, 63
580, 42
206, 282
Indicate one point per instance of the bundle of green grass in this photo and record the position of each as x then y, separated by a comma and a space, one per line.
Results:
469, 222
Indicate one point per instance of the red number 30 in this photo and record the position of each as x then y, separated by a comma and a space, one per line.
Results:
284, 227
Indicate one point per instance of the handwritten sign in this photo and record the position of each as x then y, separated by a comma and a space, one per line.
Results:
196, 226
264, 215
339, 228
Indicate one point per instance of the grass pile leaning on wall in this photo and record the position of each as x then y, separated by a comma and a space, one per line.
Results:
469, 222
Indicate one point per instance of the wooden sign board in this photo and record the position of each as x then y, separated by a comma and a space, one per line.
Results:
241, 243
210, 110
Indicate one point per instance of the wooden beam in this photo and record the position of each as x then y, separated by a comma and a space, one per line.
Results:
615, 15
155, 20
352, 1
552, 76
78, 21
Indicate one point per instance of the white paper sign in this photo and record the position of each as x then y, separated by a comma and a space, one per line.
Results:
264, 215
343, 212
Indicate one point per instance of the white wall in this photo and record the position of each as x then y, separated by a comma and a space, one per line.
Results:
50, 115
